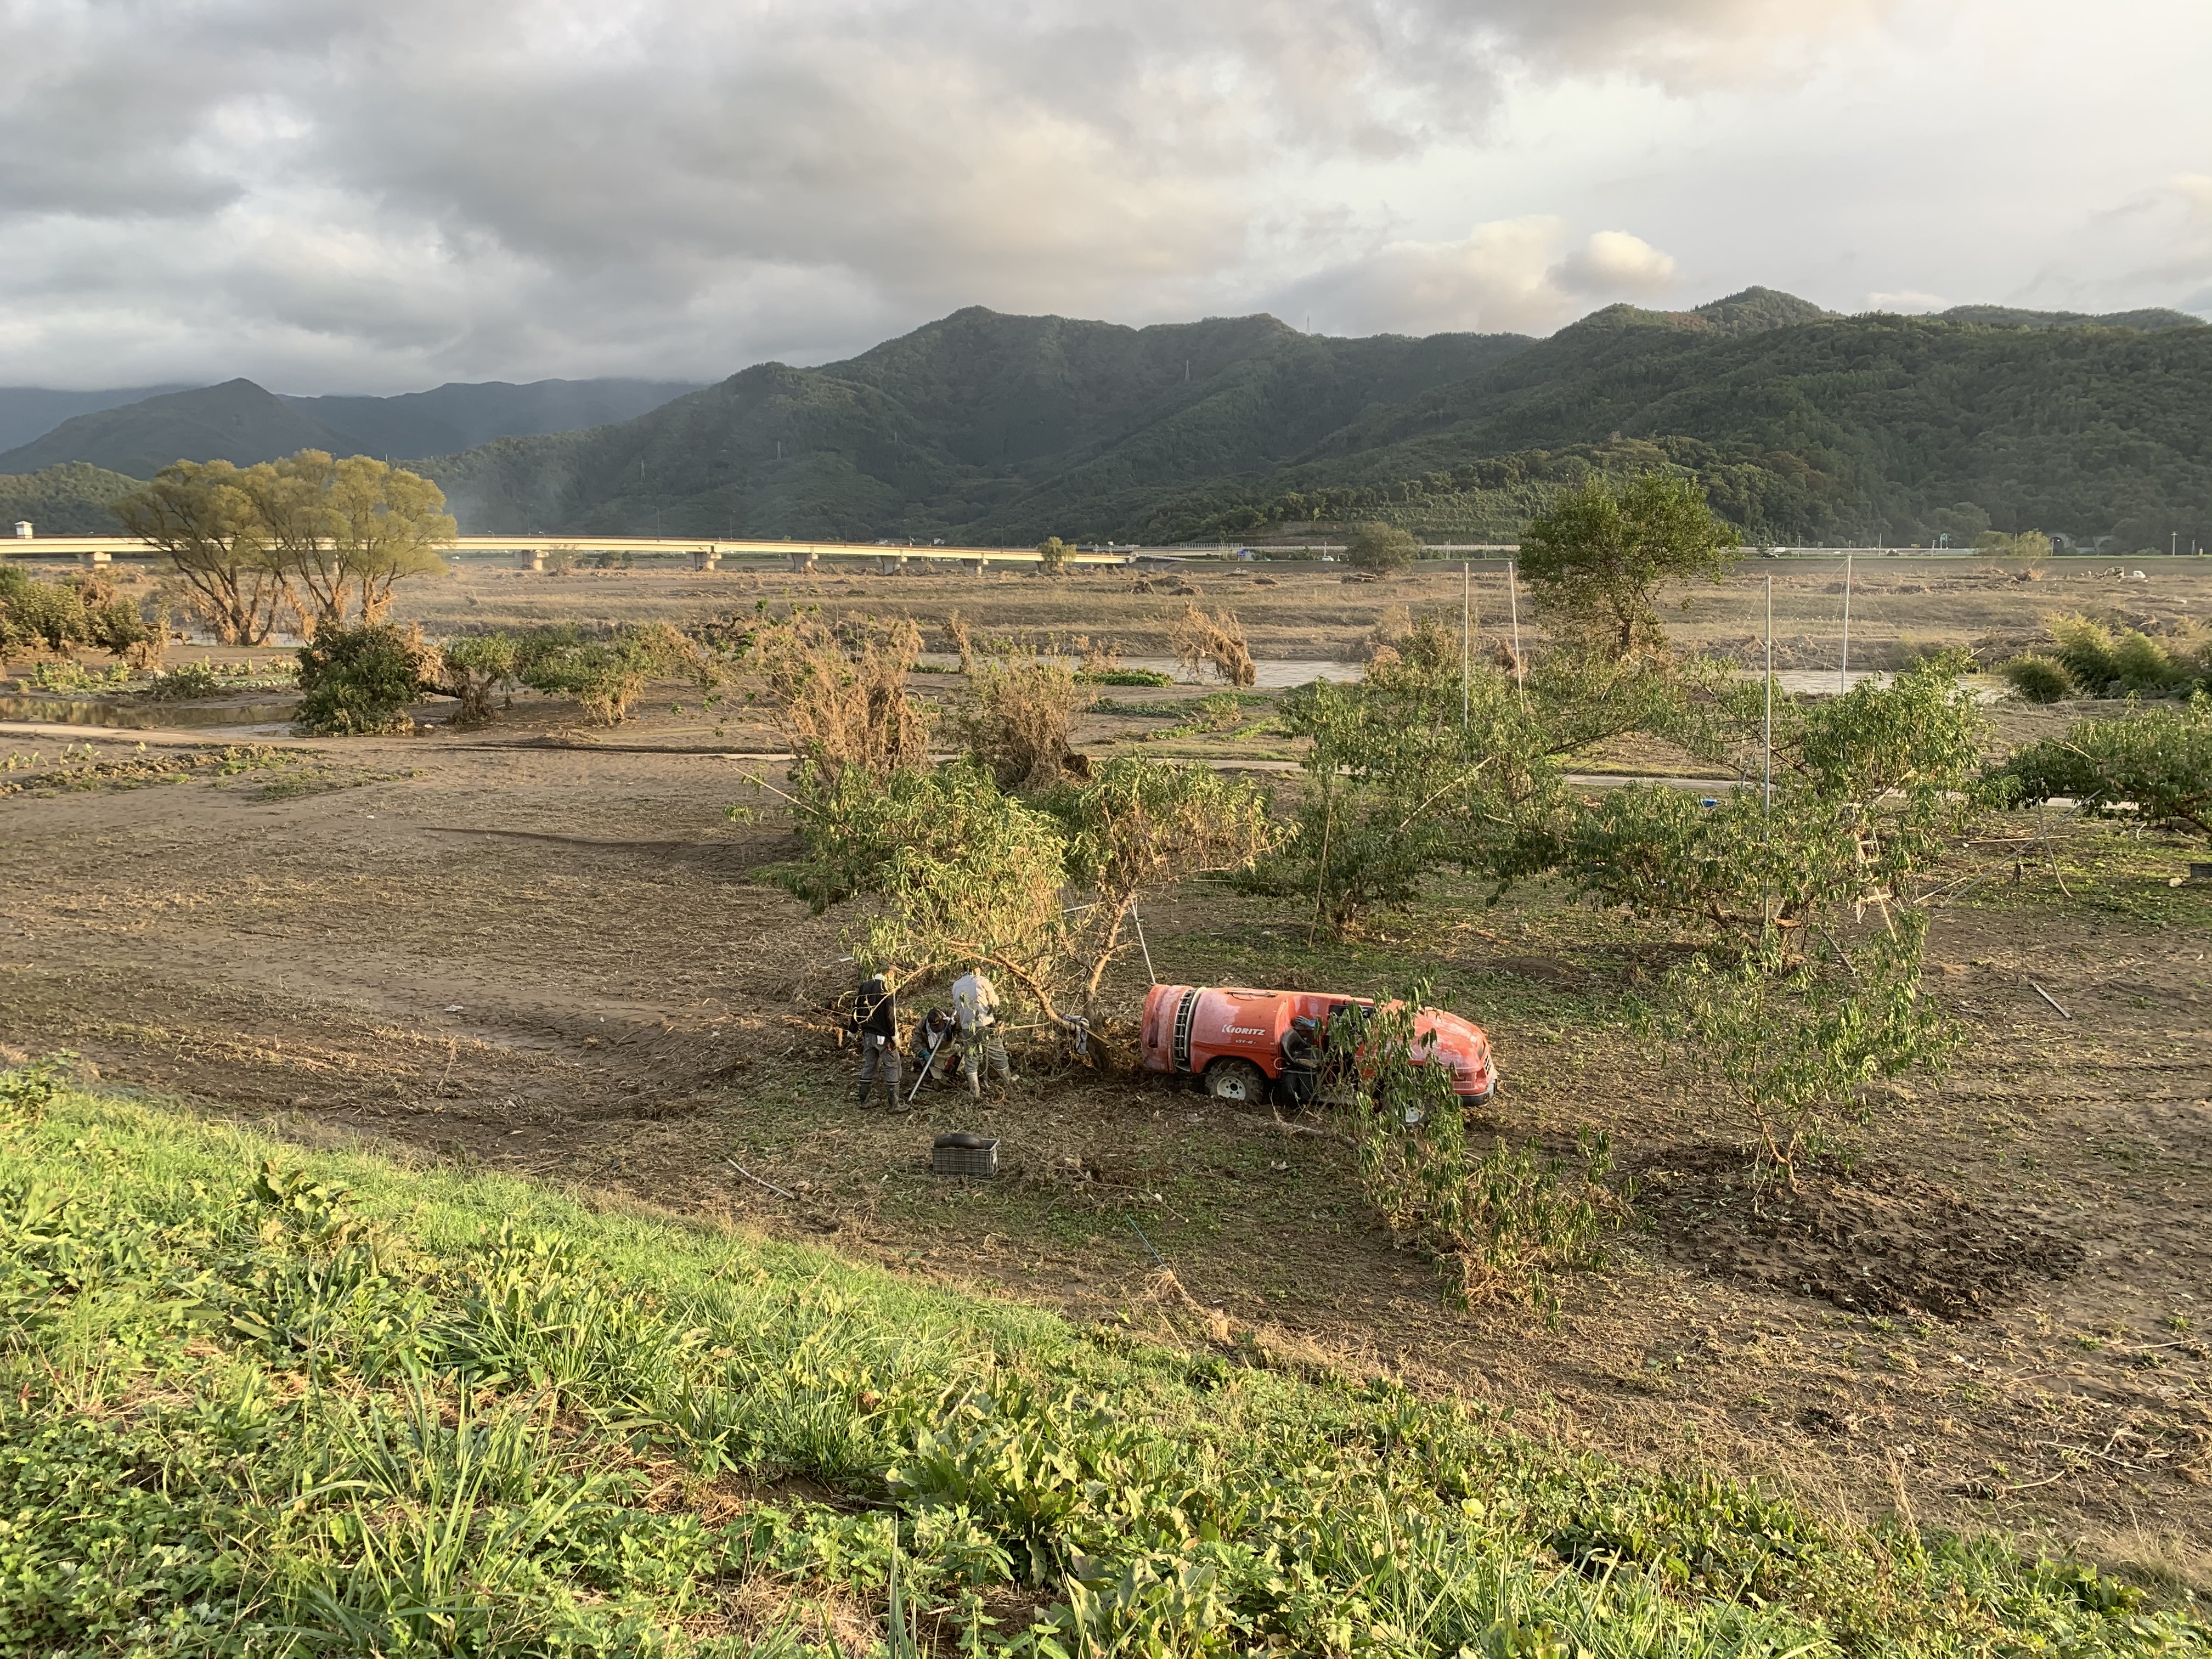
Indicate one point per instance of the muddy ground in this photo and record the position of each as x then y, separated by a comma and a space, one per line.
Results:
541, 950
540, 947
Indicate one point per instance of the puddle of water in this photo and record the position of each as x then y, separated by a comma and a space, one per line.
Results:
1275, 674
66, 711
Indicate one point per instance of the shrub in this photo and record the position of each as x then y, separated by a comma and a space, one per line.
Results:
358, 680
1017, 718
191, 679
1217, 641
2037, 679
2103, 664
1054, 553
1382, 548
476, 665
1124, 676
607, 675
1500, 1227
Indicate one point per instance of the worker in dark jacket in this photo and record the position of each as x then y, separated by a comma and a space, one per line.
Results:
1301, 1063
875, 1021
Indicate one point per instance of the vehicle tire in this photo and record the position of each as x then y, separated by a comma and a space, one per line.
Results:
1238, 1081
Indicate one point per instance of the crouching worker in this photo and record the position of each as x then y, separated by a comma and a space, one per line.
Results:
976, 1009
933, 1046
1301, 1063
875, 1021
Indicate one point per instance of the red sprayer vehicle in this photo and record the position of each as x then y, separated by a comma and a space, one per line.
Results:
1233, 1040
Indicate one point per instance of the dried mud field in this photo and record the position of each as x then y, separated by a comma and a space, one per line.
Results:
542, 949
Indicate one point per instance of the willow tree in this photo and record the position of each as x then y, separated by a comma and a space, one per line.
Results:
200, 516
343, 531
386, 524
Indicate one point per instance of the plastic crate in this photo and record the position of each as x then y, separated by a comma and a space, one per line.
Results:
964, 1155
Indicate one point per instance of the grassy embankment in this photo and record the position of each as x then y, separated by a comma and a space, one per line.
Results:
259, 1402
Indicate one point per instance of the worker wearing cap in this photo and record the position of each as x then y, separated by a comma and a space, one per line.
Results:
875, 1021
1301, 1061
976, 1010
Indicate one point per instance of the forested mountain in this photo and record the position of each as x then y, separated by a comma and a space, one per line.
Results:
953, 428
26, 411
1806, 425
239, 422
1838, 427
68, 499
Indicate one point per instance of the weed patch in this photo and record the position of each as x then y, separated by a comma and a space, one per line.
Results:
253, 1402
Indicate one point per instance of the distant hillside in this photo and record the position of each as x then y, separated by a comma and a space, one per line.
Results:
2151, 321
1804, 424
460, 417
945, 430
1838, 428
26, 411
69, 500
239, 422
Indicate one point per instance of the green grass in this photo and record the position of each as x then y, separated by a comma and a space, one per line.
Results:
254, 1400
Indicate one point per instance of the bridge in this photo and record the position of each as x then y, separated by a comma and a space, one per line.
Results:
530, 550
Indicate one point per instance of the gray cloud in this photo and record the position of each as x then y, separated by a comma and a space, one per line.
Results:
344, 196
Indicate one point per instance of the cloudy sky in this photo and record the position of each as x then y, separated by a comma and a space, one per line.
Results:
347, 197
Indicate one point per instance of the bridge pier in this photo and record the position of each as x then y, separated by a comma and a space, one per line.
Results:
891, 564
802, 563
974, 566
705, 558
531, 559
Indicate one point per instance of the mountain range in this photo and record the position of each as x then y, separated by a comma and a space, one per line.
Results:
1805, 425
239, 422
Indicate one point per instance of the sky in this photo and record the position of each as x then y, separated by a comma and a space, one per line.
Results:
331, 197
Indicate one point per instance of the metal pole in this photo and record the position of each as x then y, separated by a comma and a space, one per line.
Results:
1513, 594
1844, 674
1151, 978
1767, 802
1466, 636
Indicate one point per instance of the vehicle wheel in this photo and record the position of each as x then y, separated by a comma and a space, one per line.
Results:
1236, 1080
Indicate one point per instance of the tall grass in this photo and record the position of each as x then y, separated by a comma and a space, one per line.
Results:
253, 1401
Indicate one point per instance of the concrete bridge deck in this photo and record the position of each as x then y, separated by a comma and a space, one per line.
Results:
532, 549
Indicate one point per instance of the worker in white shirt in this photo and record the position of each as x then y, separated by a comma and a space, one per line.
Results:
976, 1010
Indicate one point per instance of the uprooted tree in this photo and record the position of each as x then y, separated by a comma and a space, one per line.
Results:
1018, 717
961, 872
838, 691
2151, 765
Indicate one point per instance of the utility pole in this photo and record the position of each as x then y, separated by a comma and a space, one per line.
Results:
1843, 674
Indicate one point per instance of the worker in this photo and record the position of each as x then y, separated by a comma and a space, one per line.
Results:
976, 1010
875, 1021
1301, 1063
932, 1044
